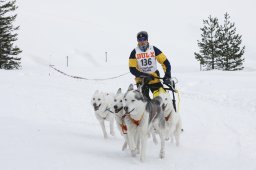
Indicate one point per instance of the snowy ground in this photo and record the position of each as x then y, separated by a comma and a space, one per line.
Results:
46, 122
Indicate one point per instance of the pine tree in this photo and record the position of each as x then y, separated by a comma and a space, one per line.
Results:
8, 36
209, 44
230, 42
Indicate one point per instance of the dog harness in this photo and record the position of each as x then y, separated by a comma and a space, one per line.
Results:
124, 128
136, 122
107, 109
123, 125
167, 117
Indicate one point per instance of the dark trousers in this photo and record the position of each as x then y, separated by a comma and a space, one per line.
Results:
152, 87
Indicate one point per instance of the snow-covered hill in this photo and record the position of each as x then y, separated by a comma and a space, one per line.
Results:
46, 122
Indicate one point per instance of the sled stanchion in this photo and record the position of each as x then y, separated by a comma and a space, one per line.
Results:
67, 61
178, 100
174, 101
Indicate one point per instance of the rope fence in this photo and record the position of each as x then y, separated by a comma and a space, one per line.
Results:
83, 78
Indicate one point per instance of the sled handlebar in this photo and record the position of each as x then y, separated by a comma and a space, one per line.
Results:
170, 87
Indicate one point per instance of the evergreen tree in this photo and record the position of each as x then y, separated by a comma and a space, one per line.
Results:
209, 44
230, 42
8, 36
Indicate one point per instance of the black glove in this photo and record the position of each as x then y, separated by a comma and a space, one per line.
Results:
167, 78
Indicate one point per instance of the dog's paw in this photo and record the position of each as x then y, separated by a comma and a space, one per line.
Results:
162, 155
112, 133
177, 144
142, 158
133, 152
155, 141
172, 140
105, 136
124, 146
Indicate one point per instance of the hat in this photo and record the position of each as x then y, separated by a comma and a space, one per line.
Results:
142, 36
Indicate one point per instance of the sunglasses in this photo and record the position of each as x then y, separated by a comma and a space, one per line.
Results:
142, 39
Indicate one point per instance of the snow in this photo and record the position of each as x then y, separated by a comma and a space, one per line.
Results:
47, 122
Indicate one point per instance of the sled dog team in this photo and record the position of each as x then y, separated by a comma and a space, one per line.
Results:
137, 118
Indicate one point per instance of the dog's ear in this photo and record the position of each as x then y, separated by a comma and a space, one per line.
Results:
130, 88
139, 95
119, 91
140, 88
96, 92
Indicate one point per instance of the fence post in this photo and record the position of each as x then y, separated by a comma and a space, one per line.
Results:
106, 54
50, 68
50, 56
67, 61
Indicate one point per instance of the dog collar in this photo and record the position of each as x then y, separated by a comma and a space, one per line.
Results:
136, 122
108, 109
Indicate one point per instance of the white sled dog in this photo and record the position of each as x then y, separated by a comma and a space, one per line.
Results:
172, 119
120, 115
141, 113
101, 103
136, 120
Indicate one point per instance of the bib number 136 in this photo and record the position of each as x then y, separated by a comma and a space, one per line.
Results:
146, 62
